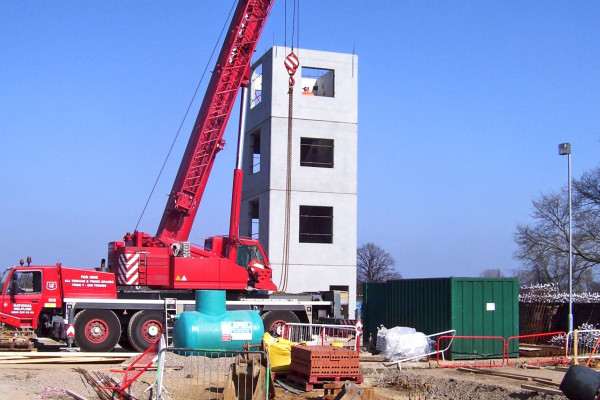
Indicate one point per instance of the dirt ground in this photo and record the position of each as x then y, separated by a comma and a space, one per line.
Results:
426, 381
417, 381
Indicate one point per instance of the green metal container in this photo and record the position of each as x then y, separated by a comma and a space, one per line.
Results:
471, 306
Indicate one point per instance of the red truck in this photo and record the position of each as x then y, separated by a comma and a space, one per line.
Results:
43, 299
147, 277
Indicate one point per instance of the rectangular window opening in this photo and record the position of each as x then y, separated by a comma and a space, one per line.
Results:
316, 224
256, 86
316, 152
318, 82
255, 152
254, 219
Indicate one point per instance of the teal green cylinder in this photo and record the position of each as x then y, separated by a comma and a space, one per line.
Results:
212, 328
210, 302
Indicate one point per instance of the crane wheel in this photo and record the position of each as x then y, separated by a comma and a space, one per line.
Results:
275, 320
144, 329
96, 330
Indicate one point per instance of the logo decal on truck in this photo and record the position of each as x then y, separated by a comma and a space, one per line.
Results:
51, 285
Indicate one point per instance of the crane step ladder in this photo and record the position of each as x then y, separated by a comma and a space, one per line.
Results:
169, 320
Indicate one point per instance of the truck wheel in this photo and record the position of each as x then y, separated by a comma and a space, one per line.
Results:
275, 320
96, 330
145, 328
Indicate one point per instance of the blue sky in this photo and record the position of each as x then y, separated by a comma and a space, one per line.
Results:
462, 106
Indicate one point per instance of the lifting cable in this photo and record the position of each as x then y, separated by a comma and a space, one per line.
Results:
186, 112
291, 64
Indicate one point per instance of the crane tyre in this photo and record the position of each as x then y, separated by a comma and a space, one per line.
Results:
144, 329
276, 319
97, 330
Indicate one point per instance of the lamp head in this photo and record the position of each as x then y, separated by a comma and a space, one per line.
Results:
564, 149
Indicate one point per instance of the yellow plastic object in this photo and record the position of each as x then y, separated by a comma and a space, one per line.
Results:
280, 352
337, 344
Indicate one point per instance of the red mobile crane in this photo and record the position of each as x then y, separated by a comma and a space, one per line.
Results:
167, 260
151, 277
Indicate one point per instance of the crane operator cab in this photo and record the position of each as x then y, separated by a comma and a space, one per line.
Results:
250, 255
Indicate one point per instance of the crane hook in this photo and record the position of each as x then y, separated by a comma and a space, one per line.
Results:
291, 64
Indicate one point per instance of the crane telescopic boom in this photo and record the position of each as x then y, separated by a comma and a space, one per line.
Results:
168, 260
231, 70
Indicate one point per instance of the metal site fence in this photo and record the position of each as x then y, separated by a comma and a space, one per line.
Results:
473, 351
346, 336
537, 353
496, 351
186, 374
582, 344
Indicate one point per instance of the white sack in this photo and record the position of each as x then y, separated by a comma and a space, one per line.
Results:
402, 342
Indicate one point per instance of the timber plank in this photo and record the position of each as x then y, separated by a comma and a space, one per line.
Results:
541, 389
546, 381
62, 360
66, 354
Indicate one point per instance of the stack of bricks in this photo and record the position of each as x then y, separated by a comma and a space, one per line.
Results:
326, 361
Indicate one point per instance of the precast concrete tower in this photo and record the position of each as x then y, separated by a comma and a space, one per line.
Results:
323, 197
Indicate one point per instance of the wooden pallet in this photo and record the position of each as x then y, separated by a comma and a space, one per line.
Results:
333, 390
308, 382
16, 345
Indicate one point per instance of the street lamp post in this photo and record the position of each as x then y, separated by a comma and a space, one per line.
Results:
565, 149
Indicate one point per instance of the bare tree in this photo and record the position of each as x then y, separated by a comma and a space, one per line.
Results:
375, 264
543, 246
492, 273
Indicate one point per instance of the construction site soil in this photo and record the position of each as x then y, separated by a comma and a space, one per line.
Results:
416, 381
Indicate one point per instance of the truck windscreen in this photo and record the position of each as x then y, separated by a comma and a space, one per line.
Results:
4, 277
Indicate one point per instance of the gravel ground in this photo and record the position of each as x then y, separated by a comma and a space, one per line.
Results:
49, 381
45, 381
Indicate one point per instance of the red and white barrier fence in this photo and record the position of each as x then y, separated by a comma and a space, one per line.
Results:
346, 336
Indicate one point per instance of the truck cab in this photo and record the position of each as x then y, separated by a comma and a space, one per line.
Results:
25, 292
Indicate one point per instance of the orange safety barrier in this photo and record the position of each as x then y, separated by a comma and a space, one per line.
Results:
532, 338
478, 363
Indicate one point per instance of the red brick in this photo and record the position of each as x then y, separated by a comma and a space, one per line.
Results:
324, 360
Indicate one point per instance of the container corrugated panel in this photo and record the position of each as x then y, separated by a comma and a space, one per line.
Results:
374, 308
422, 304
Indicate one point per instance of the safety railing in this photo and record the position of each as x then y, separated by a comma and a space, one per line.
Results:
186, 374
496, 351
140, 365
432, 350
473, 351
582, 345
346, 336
538, 354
